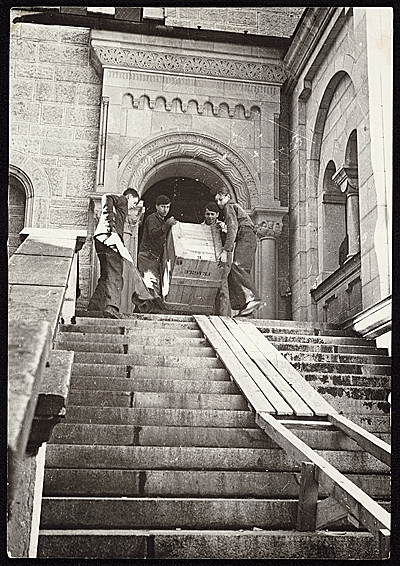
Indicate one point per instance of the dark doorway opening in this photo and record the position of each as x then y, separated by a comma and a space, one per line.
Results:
188, 199
16, 213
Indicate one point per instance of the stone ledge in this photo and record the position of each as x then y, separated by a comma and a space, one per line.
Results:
28, 351
54, 234
53, 397
374, 321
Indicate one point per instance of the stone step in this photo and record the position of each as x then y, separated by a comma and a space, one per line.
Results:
151, 372
329, 348
301, 329
85, 346
199, 350
113, 512
209, 544
212, 418
325, 358
154, 385
335, 367
162, 400
309, 339
147, 360
155, 483
128, 435
348, 379
372, 423
155, 323
351, 392
350, 406
145, 317
164, 338
183, 513
195, 458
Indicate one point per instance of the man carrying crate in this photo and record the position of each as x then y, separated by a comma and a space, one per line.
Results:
222, 307
155, 230
239, 235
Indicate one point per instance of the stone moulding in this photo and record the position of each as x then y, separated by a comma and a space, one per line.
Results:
144, 157
130, 58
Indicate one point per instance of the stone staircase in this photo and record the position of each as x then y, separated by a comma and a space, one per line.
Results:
160, 457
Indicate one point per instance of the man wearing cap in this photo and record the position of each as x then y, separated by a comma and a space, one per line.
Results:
155, 230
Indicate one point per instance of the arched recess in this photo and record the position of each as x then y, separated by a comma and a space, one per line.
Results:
37, 187
323, 113
333, 222
349, 186
332, 217
206, 154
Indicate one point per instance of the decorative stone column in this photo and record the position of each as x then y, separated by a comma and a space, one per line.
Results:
269, 226
347, 179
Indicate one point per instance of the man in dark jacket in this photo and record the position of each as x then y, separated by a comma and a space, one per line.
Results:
107, 295
155, 230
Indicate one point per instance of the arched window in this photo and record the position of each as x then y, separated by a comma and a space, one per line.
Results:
347, 179
16, 213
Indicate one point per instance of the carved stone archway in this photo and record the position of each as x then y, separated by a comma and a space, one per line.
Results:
144, 157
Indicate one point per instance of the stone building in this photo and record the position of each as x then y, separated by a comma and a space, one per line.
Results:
289, 107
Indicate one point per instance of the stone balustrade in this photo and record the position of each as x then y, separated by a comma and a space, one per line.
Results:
42, 289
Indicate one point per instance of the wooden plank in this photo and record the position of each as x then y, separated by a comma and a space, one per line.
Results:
307, 425
370, 514
243, 380
308, 498
273, 396
190, 282
328, 511
384, 544
299, 407
313, 399
369, 442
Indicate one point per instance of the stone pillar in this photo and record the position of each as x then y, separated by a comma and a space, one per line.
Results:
353, 221
269, 227
347, 179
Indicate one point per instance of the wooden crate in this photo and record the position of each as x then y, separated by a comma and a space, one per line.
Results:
190, 274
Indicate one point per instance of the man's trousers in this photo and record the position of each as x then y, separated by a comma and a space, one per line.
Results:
241, 287
109, 285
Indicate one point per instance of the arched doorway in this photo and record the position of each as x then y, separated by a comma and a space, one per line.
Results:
188, 198
16, 213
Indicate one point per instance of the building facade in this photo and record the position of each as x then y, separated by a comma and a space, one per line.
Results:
288, 107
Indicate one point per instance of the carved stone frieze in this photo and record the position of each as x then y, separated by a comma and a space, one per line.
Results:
188, 64
140, 160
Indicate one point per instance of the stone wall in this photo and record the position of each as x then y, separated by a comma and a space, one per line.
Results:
54, 119
329, 101
272, 21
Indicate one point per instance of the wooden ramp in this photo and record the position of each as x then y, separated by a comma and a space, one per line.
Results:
278, 394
